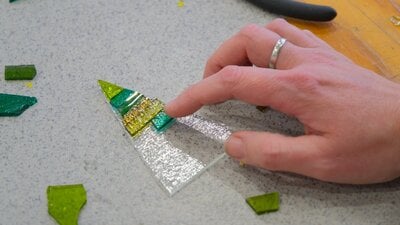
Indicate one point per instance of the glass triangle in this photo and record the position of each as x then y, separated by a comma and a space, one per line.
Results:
110, 90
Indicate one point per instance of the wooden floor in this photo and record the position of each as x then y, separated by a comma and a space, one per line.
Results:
363, 31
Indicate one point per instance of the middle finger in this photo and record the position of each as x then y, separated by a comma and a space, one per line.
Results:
252, 46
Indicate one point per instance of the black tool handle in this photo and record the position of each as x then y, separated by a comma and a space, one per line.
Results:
297, 10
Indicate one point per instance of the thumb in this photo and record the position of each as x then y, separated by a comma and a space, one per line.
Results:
276, 151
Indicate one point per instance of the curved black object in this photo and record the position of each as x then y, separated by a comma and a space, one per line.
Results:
297, 10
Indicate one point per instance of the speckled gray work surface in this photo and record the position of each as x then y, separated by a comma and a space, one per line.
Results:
70, 136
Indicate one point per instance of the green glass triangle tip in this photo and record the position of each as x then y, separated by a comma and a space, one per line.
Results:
110, 90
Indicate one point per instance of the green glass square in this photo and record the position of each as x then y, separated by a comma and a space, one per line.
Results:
162, 121
264, 203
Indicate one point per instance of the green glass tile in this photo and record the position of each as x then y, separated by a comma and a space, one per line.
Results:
125, 100
20, 72
162, 121
110, 90
65, 203
120, 98
134, 99
15, 105
264, 203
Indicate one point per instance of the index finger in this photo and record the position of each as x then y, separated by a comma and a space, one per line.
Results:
259, 86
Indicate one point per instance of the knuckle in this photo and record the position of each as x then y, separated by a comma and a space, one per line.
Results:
270, 158
308, 32
277, 23
230, 76
213, 62
210, 62
249, 30
322, 56
302, 80
327, 165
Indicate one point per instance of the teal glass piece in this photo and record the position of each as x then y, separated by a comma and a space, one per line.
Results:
124, 101
162, 121
264, 203
120, 98
15, 105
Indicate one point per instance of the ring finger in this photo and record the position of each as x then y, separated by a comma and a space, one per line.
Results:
252, 46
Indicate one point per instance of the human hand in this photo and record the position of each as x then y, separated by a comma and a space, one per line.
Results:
351, 115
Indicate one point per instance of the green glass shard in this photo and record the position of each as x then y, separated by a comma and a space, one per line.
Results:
15, 105
20, 72
264, 203
65, 203
110, 90
12, 1
162, 121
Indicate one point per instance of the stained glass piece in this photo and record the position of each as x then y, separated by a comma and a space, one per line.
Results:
138, 117
264, 203
110, 90
125, 100
20, 72
65, 203
15, 105
180, 3
169, 152
162, 121
29, 84
120, 98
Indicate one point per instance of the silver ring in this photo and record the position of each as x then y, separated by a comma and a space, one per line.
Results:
275, 52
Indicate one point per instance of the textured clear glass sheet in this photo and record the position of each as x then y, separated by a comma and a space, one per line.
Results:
182, 152
175, 154
211, 129
194, 143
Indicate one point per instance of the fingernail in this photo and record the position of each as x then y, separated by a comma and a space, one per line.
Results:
234, 147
